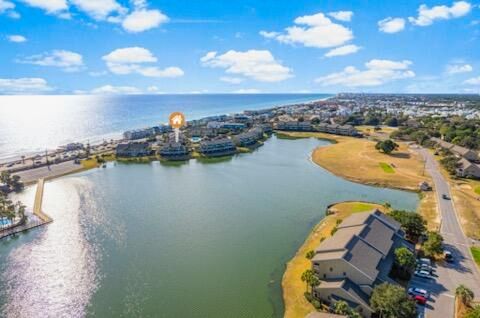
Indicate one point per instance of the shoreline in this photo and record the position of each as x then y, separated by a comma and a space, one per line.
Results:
116, 136
295, 303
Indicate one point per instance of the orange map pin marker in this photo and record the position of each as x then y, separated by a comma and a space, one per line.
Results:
177, 120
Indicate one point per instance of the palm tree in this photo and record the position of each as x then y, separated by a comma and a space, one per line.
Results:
464, 294
306, 277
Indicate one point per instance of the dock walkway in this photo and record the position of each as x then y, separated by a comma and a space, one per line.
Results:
37, 211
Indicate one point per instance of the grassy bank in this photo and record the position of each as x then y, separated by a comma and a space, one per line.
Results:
296, 306
476, 254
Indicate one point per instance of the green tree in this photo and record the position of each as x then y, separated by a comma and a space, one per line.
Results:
433, 245
474, 312
464, 294
405, 258
310, 279
386, 146
391, 301
412, 223
341, 308
310, 254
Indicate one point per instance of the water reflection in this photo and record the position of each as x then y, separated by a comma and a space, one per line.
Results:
54, 274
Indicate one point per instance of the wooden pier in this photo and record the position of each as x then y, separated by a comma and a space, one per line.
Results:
37, 211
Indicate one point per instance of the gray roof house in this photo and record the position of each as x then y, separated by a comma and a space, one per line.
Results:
469, 154
356, 258
467, 169
174, 151
217, 147
133, 149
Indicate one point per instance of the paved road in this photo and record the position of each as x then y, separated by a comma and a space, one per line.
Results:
463, 270
47, 172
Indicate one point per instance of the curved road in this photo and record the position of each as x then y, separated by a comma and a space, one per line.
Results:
448, 275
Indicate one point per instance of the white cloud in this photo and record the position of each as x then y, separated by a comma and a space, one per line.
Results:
458, 68
377, 72
142, 20
269, 35
343, 50
66, 60
473, 81
231, 80
313, 31
154, 90
426, 15
137, 60
99, 9
16, 38
259, 65
391, 25
109, 89
26, 85
51, 6
6, 5
345, 16
247, 91
8, 8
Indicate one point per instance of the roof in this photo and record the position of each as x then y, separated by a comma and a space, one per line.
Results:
364, 257
365, 240
361, 298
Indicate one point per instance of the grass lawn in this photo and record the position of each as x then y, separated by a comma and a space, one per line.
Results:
296, 306
386, 167
476, 254
477, 190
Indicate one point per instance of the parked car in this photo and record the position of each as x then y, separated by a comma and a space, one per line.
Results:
425, 267
449, 256
420, 299
423, 274
424, 261
445, 197
414, 291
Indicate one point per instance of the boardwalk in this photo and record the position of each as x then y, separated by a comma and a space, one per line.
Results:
37, 211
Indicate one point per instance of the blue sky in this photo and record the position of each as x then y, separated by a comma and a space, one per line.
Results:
211, 46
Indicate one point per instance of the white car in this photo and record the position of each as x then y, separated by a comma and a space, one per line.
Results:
418, 291
423, 273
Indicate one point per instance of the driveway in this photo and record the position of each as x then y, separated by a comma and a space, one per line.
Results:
447, 275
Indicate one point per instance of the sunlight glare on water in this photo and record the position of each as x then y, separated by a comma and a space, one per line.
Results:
55, 273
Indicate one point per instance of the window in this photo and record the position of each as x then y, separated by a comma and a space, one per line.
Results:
344, 274
331, 269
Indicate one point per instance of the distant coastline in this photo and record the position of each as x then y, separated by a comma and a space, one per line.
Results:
110, 102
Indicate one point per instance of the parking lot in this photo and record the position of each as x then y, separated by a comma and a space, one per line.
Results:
440, 299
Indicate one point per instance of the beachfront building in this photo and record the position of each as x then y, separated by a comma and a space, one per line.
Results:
139, 133
133, 149
248, 138
356, 258
295, 126
217, 147
267, 128
174, 151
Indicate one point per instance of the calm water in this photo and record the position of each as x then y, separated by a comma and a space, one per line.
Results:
191, 240
30, 124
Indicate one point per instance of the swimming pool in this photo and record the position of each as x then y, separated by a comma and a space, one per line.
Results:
5, 222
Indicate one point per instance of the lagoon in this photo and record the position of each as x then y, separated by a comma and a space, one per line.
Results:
196, 239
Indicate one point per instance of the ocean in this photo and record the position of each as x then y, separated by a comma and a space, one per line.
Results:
32, 124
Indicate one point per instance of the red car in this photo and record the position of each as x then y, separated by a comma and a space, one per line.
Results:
420, 299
